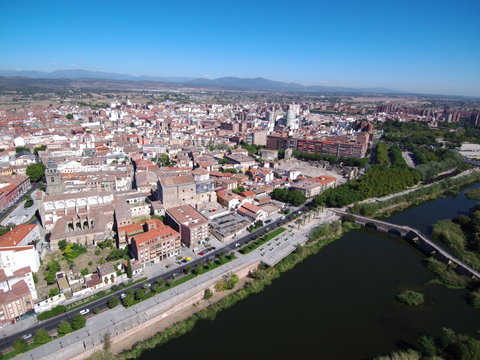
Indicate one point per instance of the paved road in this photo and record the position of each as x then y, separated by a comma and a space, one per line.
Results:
52, 323
6, 211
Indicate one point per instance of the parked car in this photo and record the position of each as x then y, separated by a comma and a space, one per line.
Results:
84, 311
212, 248
201, 253
211, 257
146, 285
26, 336
123, 296
237, 244
268, 221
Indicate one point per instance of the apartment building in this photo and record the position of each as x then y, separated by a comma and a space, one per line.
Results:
192, 225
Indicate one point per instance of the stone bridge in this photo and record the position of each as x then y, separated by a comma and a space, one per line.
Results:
416, 237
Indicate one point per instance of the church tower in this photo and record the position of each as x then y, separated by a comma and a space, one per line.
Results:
54, 180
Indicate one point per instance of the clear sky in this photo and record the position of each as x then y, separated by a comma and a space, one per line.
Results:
412, 45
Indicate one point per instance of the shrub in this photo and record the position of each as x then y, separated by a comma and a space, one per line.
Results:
411, 298
20, 346
64, 328
78, 322
207, 294
41, 337
113, 302
57, 310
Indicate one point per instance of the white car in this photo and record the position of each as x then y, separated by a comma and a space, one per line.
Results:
26, 336
84, 311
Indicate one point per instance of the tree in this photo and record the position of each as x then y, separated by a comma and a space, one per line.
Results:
39, 148
28, 202
78, 322
35, 172
207, 294
113, 302
20, 149
41, 337
129, 270
140, 294
84, 271
20, 346
69, 116
427, 345
53, 292
62, 244
128, 300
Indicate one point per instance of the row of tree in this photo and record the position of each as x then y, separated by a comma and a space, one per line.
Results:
294, 197
332, 159
378, 181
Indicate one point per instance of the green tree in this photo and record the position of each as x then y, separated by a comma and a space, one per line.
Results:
39, 148
62, 244
140, 294
69, 116
78, 322
469, 349
113, 302
84, 271
207, 294
129, 269
53, 292
41, 337
128, 300
20, 149
20, 346
28, 202
427, 345
35, 172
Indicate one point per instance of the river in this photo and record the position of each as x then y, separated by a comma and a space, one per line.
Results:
339, 303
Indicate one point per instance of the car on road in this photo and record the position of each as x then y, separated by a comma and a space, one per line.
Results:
84, 311
26, 336
237, 244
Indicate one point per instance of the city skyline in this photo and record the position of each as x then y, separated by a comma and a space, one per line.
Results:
413, 48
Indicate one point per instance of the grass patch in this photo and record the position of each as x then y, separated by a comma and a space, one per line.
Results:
253, 245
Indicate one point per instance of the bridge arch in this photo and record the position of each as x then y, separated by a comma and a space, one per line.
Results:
411, 235
371, 225
395, 232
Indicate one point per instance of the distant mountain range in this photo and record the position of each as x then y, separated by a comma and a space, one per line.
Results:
86, 78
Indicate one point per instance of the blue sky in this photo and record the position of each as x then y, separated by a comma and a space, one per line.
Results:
421, 46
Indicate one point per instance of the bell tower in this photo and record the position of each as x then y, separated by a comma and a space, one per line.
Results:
54, 180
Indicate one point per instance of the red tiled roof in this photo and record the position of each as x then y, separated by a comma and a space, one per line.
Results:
16, 235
